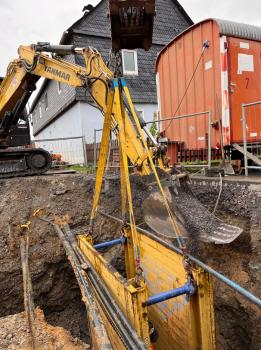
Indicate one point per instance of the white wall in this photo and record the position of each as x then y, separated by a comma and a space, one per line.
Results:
66, 126
91, 118
149, 110
79, 120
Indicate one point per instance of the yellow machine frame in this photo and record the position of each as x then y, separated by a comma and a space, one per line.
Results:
95, 76
182, 323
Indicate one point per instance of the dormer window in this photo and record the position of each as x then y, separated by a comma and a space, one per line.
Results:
129, 62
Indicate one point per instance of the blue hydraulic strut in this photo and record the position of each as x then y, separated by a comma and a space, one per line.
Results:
189, 289
108, 244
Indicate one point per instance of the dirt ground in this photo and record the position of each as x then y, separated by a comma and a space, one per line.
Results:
15, 334
55, 289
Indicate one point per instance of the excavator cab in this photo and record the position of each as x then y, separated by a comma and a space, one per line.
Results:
131, 23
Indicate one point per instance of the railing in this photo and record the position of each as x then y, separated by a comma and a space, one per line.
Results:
71, 149
198, 114
244, 125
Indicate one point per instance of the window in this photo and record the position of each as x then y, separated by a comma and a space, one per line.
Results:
40, 111
129, 62
59, 87
46, 101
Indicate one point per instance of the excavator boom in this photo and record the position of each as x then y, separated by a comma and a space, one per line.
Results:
33, 63
15, 90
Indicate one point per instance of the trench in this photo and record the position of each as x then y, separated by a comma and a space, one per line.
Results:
55, 288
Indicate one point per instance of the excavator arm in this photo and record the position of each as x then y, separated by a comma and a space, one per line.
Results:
34, 62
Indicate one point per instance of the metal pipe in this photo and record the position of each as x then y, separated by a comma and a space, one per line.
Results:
244, 138
245, 293
128, 334
194, 166
111, 243
58, 49
244, 105
117, 317
84, 152
251, 104
189, 289
27, 286
95, 318
209, 138
179, 117
59, 139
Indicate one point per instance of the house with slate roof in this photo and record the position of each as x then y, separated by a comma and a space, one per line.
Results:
62, 111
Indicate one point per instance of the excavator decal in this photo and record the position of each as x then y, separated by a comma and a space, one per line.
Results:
57, 72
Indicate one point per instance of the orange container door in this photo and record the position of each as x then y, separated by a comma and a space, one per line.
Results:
244, 87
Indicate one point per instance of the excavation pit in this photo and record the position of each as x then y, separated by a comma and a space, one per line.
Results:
55, 288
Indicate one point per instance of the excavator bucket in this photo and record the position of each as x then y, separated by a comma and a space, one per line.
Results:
131, 23
194, 220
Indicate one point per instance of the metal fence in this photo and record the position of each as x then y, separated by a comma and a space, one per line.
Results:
206, 153
245, 143
93, 151
182, 135
71, 149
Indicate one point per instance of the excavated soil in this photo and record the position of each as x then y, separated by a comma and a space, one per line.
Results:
15, 334
55, 289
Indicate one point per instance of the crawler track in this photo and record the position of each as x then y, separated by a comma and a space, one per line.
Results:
24, 162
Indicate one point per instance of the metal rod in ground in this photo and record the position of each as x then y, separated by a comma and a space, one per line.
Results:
27, 285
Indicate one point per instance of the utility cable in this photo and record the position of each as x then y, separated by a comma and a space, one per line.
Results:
205, 46
219, 194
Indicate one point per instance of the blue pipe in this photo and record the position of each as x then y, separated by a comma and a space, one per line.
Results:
189, 289
108, 244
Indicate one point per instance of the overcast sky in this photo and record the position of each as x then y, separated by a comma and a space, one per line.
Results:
29, 21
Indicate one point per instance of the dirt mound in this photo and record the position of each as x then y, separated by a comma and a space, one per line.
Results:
14, 335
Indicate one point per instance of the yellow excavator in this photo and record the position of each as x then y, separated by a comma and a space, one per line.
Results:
45, 60
35, 62
131, 27
19, 83
156, 270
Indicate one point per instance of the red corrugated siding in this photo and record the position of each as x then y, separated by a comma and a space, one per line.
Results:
175, 67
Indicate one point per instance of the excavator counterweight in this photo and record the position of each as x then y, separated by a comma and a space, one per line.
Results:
131, 23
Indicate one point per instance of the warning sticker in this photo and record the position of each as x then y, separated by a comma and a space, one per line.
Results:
245, 63
208, 65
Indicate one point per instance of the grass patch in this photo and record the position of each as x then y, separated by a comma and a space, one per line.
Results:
89, 169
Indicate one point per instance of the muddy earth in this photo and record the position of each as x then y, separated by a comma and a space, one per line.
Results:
15, 334
55, 288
